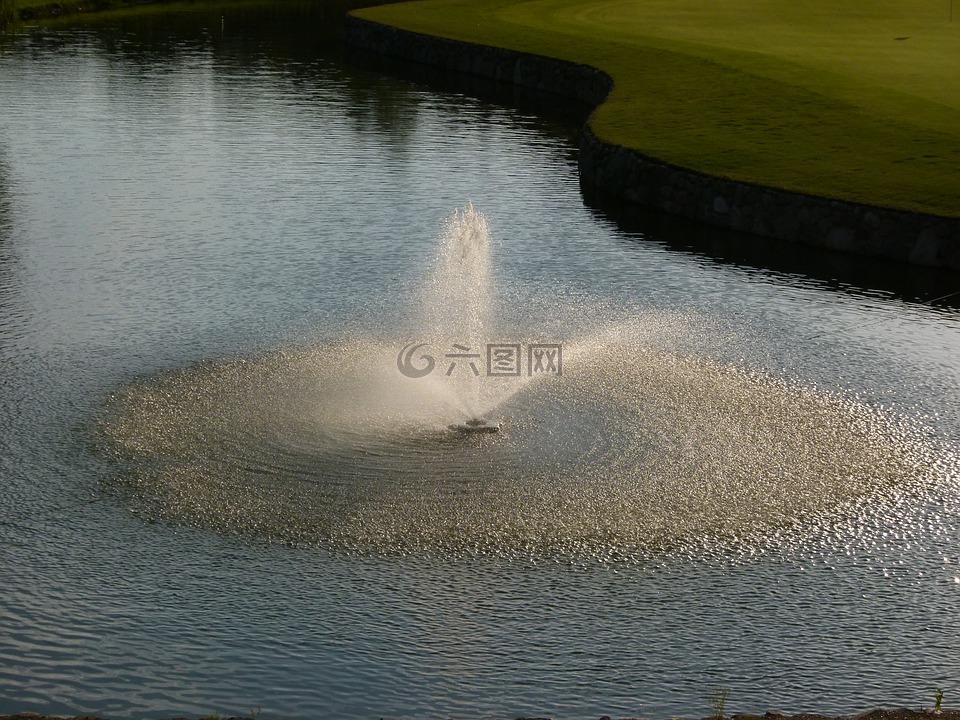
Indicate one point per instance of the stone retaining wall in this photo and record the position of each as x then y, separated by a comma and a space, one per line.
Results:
581, 83
627, 174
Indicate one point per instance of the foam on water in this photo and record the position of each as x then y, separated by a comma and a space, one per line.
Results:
636, 449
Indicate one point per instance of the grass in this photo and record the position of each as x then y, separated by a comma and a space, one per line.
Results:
837, 98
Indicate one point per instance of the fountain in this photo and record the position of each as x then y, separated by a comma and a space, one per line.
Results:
457, 307
615, 436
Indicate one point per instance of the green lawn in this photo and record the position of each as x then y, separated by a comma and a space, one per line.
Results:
854, 100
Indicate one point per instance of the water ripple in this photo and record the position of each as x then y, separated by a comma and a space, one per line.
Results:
748, 481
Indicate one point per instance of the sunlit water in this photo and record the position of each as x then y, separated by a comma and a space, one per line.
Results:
220, 494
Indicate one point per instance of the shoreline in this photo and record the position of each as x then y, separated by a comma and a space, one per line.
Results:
628, 175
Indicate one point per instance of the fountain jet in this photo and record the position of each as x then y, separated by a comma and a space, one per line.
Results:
458, 307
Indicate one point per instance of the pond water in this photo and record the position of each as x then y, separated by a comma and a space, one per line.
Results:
217, 494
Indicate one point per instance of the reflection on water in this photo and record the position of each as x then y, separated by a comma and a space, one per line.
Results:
6, 252
830, 269
5, 200
213, 234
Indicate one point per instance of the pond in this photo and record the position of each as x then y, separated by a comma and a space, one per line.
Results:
219, 494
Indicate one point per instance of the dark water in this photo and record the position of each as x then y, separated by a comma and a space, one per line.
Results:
194, 205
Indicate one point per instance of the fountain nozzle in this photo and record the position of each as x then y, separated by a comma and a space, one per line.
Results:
476, 425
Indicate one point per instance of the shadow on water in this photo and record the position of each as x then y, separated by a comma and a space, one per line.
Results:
289, 32
298, 42
548, 106
548, 113
829, 269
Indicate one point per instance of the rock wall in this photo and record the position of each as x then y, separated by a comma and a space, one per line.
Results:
624, 173
581, 83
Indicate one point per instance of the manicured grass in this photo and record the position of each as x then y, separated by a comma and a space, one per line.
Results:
852, 99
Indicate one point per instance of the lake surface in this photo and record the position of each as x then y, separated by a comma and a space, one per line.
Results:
215, 233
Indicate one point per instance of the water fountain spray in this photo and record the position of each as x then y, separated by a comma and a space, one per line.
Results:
458, 307
645, 447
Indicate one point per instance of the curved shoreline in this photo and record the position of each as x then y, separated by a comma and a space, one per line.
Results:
628, 175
